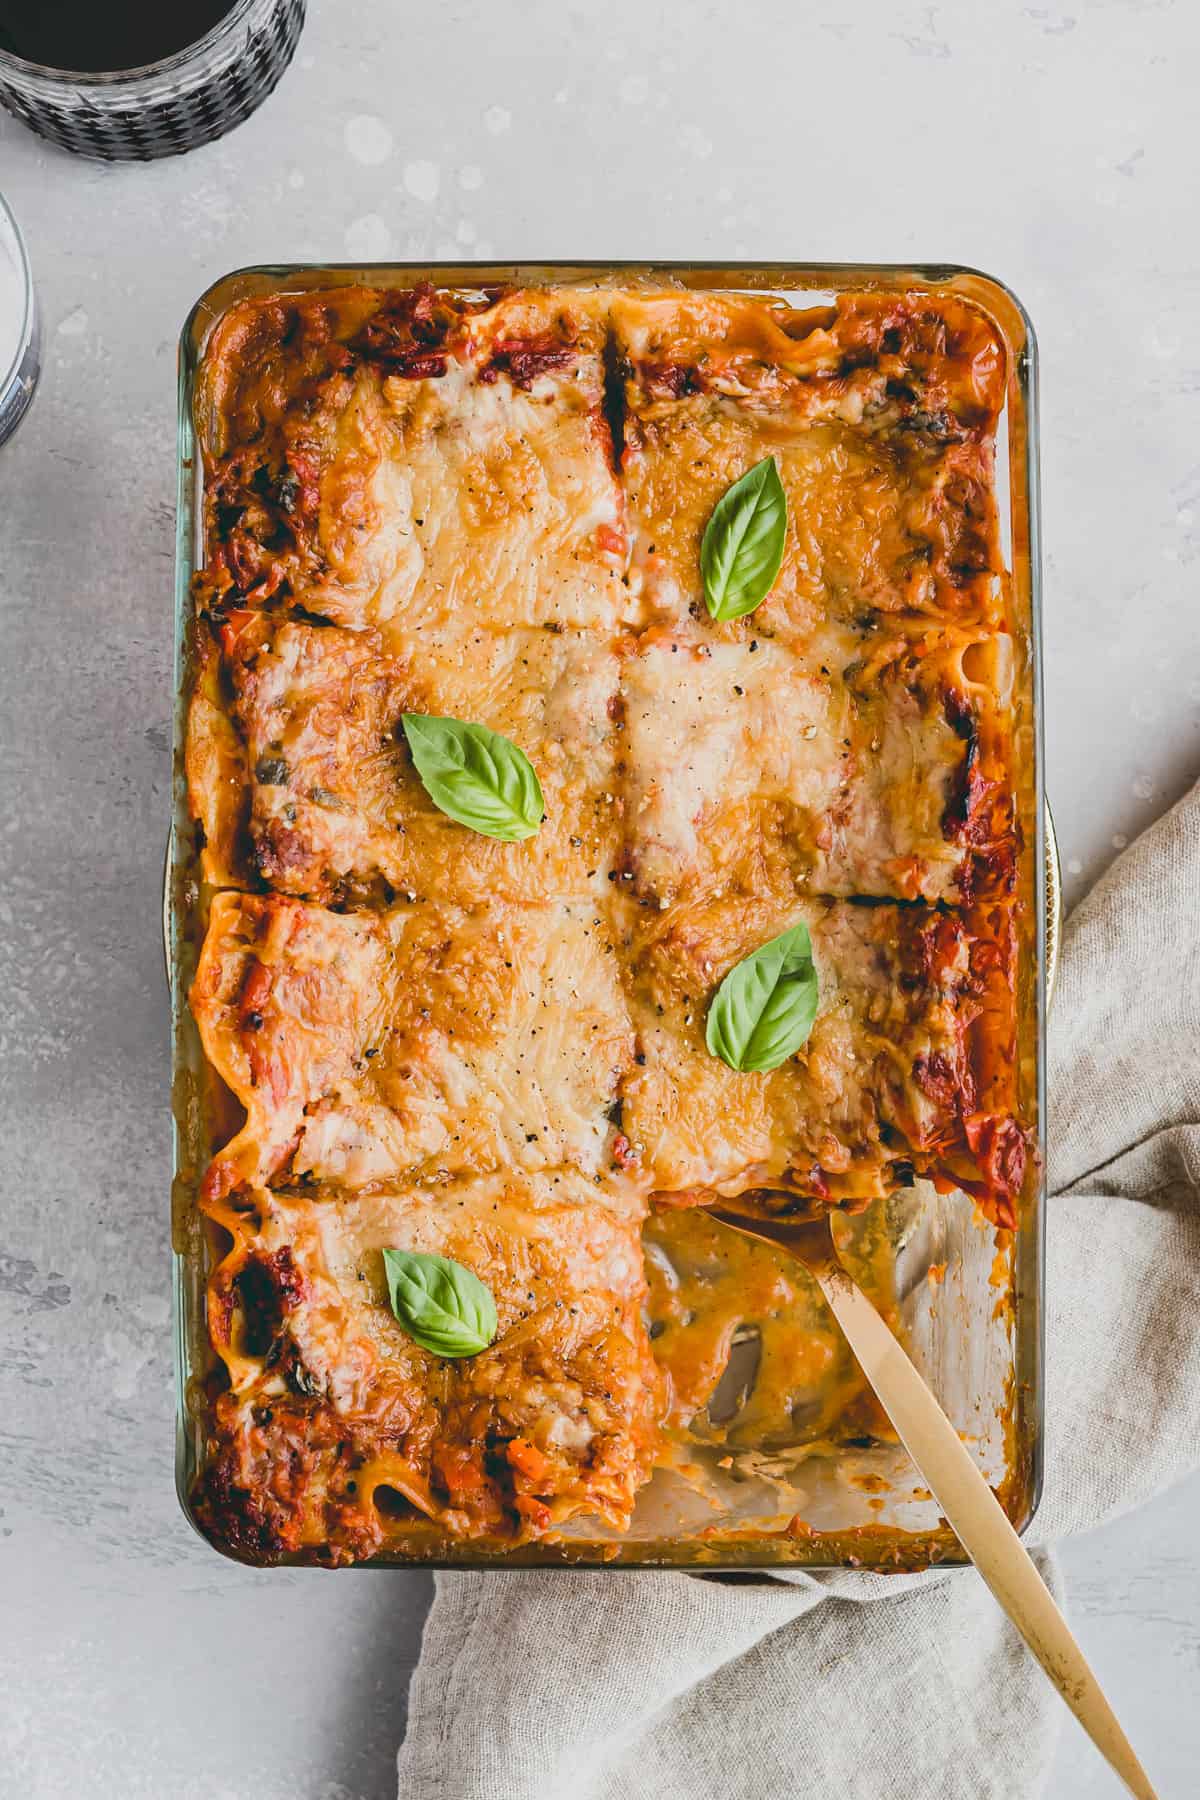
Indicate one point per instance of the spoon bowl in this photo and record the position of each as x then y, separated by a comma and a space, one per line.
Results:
949, 1471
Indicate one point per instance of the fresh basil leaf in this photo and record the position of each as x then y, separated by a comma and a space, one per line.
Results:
442, 1306
742, 546
476, 777
764, 1009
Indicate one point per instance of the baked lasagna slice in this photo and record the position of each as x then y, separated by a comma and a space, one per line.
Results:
301, 777
337, 1428
416, 1043
408, 459
909, 1068
880, 412
881, 770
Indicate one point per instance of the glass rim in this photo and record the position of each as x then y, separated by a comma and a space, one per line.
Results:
10, 228
112, 78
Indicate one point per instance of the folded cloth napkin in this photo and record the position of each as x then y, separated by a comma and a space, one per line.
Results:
536, 1686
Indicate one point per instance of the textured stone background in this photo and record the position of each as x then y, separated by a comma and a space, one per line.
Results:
1055, 145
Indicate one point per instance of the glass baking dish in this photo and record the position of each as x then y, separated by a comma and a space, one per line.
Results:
974, 1326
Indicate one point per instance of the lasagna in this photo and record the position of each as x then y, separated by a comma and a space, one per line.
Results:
490, 1050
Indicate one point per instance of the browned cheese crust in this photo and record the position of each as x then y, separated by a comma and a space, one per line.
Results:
490, 508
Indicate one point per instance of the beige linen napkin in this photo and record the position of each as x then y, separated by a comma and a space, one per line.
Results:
577, 1686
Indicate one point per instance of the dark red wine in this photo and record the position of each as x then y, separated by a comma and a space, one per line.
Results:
134, 79
102, 36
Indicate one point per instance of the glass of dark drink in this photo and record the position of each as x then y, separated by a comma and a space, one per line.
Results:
126, 79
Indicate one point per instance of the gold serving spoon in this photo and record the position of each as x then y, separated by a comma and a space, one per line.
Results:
954, 1479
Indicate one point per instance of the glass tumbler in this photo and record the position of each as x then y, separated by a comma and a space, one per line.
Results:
20, 359
165, 107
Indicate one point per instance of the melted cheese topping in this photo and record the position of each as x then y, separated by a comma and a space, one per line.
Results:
480, 493
754, 768
890, 501
417, 1043
414, 502
558, 1416
856, 1110
336, 808
447, 502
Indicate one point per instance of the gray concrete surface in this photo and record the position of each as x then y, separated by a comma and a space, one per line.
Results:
1053, 144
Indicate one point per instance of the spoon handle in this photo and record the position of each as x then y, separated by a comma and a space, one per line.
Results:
976, 1516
